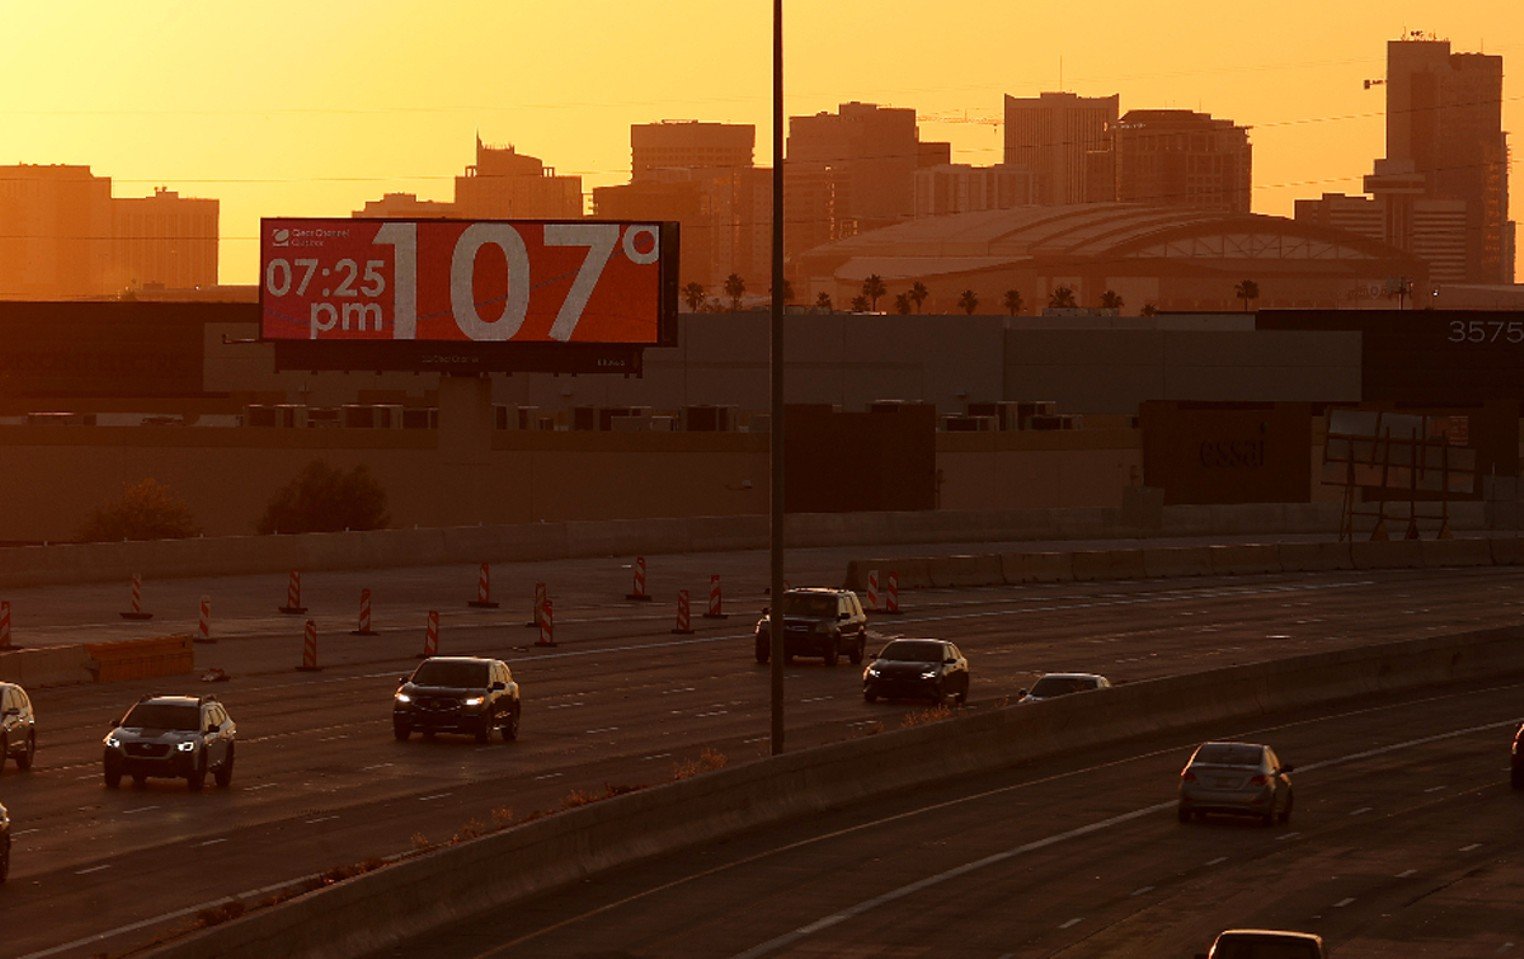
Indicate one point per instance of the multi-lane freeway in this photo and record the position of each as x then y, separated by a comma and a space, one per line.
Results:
321, 783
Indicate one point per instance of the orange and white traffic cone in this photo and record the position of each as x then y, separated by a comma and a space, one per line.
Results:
638, 592
136, 612
309, 649
547, 624
294, 605
204, 622
431, 636
5, 624
716, 600
539, 600
483, 598
363, 629
872, 590
892, 604
684, 621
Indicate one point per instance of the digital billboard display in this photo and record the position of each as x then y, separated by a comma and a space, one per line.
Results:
479, 294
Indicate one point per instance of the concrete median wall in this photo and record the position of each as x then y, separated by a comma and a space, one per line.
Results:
46, 666
448, 885
98, 662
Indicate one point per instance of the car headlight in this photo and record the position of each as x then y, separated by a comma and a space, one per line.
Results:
404, 698
187, 746
113, 743
473, 701
873, 671
930, 673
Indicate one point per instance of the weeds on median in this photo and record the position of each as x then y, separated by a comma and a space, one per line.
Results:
925, 717
580, 797
708, 761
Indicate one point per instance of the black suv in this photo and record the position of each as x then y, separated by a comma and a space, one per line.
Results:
174, 737
457, 694
18, 727
817, 622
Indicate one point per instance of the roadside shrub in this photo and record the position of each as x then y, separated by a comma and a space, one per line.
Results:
147, 510
325, 499
923, 717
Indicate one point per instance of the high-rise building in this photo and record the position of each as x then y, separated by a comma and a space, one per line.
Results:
1173, 158
1051, 135
688, 145
1444, 116
961, 188
876, 149
63, 235
403, 206
504, 183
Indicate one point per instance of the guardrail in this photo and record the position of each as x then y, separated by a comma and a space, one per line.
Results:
360, 916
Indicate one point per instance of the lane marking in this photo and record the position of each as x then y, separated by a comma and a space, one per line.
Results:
86, 872
603, 729
1406, 873
1218, 861
366, 769
1471, 848
1287, 835
434, 797
257, 788
25, 832
550, 776
1141, 891
1344, 902
1361, 811
1071, 922
134, 812
318, 819
211, 842
712, 712
1433, 789
657, 756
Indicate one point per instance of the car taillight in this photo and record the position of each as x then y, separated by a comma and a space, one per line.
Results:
1259, 781
1188, 776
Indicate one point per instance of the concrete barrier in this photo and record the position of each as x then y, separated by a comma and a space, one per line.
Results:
359, 916
141, 658
1393, 554
1166, 562
1108, 564
46, 666
1244, 559
1017, 568
975, 570
1507, 551
1442, 553
1314, 557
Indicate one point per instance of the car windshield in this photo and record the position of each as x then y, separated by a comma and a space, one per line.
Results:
163, 716
1263, 948
1050, 686
912, 651
817, 605
1228, 754
456, 675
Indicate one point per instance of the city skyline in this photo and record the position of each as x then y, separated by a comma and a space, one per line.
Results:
316, 113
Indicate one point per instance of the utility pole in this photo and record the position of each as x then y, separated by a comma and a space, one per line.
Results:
775, 436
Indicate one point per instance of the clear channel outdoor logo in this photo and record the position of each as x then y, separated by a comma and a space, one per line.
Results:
280, 237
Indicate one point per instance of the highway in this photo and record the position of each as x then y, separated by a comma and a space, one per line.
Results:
320, 783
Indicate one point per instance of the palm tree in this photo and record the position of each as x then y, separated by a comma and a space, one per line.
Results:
968, 302
902, 303
693, 295
1111, 300
734, 287
823, 303
1149, 310
1246, 291
1062, 298
873, 288
918, 294
1012, 301
859, 304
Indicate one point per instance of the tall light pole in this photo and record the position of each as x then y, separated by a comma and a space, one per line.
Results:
775, 436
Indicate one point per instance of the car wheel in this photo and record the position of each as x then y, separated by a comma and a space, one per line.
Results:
24, 761
832, 653
113, 777
401, 731
5, 749
1183, 813
1285, 816
856, 654
484, 731
197, 777
224, 772
1517, 777
511, 727
763, 650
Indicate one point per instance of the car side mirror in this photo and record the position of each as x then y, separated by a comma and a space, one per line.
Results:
949, 662
115, 723
1022, 691
401, 680
13, 711
767, 610
499, 686
843, 615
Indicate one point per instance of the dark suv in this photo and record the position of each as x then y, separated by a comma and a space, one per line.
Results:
457, 694
817, 622
171, 737
18, 727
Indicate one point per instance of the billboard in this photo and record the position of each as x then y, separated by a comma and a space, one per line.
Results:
573, 295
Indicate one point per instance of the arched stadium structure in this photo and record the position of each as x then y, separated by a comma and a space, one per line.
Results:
1174, 259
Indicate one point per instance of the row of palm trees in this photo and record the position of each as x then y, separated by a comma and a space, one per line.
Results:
874, 289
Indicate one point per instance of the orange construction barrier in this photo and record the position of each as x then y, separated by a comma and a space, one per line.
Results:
431, 636
638, 592
136, 612
294, 605
547, 624
363, 629
684, 620
309, 649
483, 598
204, 624
716, 600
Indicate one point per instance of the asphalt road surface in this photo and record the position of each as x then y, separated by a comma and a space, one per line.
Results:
321, 783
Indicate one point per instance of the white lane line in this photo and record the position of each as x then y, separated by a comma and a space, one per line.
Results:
550, 776
712, 712
1141, 890
1361, 811
1406, 873
86, 776
1071, 922
434, 797
366, 769
330, 739
1471, 848
657, 756
255, 789
680, 689
1343, 902
1433, 789
25, 832
86, 872
1287, 835
602, 729
134, 812
1218, 861
317, 819
755, 739
817, 699
211, 842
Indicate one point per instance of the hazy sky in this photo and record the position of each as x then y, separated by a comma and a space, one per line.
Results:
309, 109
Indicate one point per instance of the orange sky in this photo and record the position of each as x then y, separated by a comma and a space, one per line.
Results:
302, 109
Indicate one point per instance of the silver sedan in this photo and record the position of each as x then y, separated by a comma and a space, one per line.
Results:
1238, 778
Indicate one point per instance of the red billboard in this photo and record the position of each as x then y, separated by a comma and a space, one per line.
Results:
513, 288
